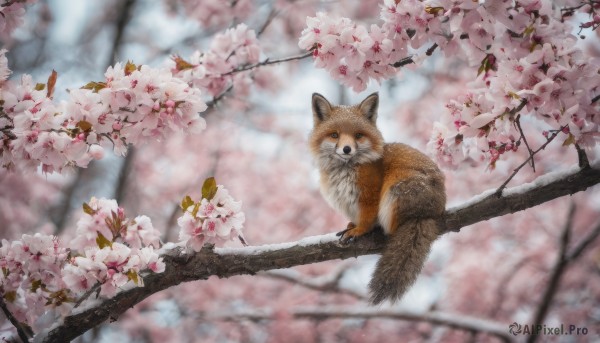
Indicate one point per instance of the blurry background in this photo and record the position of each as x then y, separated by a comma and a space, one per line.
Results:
497, 271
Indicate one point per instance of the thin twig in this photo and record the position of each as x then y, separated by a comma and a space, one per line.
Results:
211, 104
503, 186
21, 331
502, 287
584, 244
268, 62
272, 15
87, 294
325, 283
557, 272
451, 320
582, 157
518, 123
403, 62
431, 49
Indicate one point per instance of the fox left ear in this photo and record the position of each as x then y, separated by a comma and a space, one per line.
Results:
321, 107
368, 107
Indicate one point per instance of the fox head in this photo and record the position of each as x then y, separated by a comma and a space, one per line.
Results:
345, 134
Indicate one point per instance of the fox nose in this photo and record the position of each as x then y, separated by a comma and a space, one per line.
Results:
347, 150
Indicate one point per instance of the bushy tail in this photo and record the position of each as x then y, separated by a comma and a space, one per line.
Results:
402, 259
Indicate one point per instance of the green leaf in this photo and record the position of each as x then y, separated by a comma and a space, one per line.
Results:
209, 188
51, 83
88, 209
103, 241
570, 140
95, 86
35, 284
10, 296
186, 202
133, 276
84, 125
434, 10
513, 95
195, 209
181, 64
129, 67
40, 86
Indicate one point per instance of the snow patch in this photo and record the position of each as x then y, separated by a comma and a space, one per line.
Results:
255, 250
521, 189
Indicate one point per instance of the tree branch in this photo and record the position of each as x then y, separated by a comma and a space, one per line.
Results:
454, 321
584, 244
557, 272
531, 155
226, 262
268, 62
529, 150
23, 332
545, 188
325, 283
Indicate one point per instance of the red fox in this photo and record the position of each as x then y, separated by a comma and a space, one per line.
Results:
373, 183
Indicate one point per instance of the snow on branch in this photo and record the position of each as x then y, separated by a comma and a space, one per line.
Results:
226, 262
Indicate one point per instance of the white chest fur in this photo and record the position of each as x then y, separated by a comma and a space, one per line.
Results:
339, 188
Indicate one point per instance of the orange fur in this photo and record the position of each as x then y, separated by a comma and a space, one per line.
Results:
377, 184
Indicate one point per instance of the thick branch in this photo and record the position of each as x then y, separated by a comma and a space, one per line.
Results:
454, 321
545, 188
250, 260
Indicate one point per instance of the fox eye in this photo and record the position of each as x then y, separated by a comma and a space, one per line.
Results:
334, 135
358, 135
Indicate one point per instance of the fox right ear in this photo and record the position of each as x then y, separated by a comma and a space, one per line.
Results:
321, 107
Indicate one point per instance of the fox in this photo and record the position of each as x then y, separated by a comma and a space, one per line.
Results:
374, 184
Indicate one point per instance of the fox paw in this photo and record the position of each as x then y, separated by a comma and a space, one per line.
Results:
348, 235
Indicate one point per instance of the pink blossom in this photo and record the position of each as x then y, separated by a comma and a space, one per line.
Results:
4, 71
215, 221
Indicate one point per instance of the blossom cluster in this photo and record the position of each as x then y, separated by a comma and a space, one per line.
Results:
31, 277
110, 251
349, 52
215, 70
11, 15
215, 218
132, 104
114, 249
523, 57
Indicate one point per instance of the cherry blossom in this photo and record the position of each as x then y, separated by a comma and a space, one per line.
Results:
40, 273
4, 71
11, 15
504, 64
216, 218
213, 70
133, 104
524, 57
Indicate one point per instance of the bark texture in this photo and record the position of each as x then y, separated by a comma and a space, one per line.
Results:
249, 260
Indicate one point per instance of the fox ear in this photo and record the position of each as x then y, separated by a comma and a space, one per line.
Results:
368, 107
321, 107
